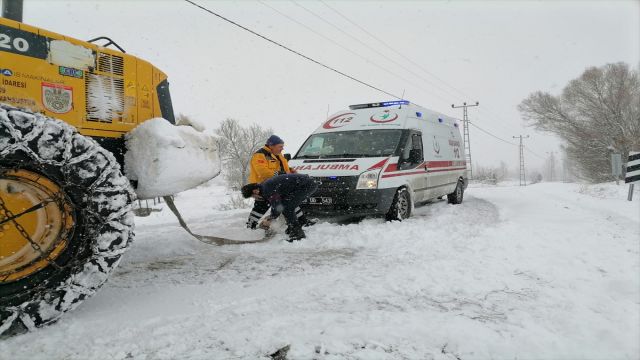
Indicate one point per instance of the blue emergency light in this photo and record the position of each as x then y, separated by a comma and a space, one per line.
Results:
397, 102
380, 104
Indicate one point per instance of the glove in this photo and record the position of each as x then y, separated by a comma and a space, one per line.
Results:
265, 224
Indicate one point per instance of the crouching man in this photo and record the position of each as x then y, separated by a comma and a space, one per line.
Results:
284, 193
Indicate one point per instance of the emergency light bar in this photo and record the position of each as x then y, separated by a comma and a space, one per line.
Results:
380, 104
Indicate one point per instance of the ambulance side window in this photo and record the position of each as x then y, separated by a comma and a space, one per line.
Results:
412, 154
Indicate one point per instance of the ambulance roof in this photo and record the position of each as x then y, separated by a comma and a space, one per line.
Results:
399, 114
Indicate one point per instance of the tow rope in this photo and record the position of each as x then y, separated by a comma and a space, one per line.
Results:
212, 240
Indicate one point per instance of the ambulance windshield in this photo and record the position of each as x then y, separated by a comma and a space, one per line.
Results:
359, 143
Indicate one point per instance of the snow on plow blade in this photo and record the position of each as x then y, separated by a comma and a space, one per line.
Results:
166, 159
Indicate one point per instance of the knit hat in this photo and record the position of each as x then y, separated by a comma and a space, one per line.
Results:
247, 190
274, 140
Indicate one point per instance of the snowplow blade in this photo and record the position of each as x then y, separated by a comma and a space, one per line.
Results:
164, 159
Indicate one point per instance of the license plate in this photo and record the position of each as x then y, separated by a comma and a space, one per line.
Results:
320, 200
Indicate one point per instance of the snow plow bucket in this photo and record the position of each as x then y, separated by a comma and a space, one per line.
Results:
165, 159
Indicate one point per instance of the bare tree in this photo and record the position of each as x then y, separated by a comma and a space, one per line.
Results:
503, 172
535, 177
596, 112
491, 175
568, 166
237, 145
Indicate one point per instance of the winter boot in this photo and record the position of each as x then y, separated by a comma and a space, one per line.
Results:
296, 233
252, 224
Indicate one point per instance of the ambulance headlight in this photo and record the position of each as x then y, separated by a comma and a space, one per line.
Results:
368, 180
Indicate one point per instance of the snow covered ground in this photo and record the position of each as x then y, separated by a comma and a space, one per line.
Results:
547, 271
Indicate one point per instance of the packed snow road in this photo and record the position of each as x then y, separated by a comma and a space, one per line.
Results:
548, 271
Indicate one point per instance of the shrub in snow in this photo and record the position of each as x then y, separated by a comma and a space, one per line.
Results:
237, 145
236, 201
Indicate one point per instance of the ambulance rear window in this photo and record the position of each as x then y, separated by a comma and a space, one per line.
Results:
358, 143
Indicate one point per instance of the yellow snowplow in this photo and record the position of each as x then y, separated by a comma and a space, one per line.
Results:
67, 107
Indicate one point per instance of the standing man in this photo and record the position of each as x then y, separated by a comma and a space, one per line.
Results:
266, 163
284, 193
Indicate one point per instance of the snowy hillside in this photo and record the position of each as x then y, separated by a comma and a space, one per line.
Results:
547, 271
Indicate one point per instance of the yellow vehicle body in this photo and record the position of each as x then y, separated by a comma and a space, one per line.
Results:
66, 204
102, 92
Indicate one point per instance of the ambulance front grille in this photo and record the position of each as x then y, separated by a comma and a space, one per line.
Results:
336, 183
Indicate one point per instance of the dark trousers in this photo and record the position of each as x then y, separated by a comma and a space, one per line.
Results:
291, 204
260, 207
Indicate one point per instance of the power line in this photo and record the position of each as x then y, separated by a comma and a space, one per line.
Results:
505, 141
391, 48
350, 50
354, 23
291, 50
374, 50
329, 67
510, 143
490, 134
534, 153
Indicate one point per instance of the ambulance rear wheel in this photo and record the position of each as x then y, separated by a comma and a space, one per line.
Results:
65, 218
400, 207
457, 195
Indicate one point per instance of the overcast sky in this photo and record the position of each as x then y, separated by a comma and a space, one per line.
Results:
436, 53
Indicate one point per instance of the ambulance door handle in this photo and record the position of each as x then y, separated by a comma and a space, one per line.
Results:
426, 168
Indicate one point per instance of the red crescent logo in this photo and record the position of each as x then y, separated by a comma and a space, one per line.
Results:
338, 121
383, 120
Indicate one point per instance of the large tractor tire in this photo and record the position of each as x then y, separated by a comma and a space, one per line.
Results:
65, 218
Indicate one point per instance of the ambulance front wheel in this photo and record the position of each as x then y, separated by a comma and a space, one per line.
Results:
457, 195
400, 207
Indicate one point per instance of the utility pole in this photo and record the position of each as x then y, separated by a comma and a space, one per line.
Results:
12, 9
465, 132
551, 165
523, 179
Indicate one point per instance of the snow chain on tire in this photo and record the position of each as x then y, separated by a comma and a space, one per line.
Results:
101, 198
394, 213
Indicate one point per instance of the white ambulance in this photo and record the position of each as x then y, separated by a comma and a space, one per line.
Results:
381, 159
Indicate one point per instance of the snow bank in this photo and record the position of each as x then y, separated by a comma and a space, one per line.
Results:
533, 272
167, 159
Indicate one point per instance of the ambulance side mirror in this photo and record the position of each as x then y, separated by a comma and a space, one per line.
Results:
287, 157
